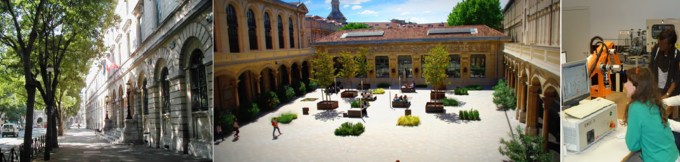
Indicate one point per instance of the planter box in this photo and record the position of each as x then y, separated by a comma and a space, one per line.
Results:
364, 87
434, 107
440, 88
355, 113
348, 94
406, 90
437, 95
305, 110
370, 98
400, 104
327, 105
407, 112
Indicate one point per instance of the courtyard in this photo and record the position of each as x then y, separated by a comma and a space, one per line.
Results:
439, 137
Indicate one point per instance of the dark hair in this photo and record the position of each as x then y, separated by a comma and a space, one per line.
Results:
669, 33
645, 90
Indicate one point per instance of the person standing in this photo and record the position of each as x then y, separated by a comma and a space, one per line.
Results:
275, 123
218, 131
646, 118
664, 63
236, 127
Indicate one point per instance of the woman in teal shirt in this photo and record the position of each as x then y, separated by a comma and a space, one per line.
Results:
647, 119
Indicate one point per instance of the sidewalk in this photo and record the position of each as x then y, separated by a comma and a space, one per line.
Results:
83, 145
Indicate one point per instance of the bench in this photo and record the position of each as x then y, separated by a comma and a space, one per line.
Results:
404, 90
401, 104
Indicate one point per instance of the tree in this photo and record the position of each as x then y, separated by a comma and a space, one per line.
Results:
524, 148
434, 69
362, 63
323, 70
355, 26
477, 12
349, 68
505, 99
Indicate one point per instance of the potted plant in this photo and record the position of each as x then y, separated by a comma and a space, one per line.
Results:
323, 72
434, 72
348, 71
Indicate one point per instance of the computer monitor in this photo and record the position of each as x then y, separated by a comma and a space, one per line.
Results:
575, 83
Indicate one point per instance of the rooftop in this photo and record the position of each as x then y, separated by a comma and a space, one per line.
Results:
420, 34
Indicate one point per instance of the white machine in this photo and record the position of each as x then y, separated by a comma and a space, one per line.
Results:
579, 134
655, 26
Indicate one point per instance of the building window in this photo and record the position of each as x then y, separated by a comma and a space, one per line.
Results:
145, 102
233, 29
405, 65
128, 43
268, 31
158, 13
199, 94
139, 31
477, 66
454, 67
382, 67
290, 33
252, 30
281, 46
165, 91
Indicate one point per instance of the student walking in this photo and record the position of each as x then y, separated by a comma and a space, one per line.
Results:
235, 129
218, 131
275, 123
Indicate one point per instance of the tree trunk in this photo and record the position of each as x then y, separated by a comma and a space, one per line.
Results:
30, 90
48, 135
55, 143
60, 132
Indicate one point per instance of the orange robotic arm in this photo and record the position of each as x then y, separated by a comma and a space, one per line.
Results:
598, 63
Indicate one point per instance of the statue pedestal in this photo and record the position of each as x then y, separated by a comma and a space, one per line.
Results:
130, 133
108, 124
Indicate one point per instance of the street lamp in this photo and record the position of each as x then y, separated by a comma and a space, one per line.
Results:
129, 91
106, 99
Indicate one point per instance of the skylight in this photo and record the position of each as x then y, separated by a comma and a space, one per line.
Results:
452, 31
363, 34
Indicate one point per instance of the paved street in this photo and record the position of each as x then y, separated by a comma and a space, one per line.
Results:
83, 145
439, 137
9, 142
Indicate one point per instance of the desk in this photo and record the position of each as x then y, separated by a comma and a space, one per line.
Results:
609, 148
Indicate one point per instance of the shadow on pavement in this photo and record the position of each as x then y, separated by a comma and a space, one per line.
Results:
328, 115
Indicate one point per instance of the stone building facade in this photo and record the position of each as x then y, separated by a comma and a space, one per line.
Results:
317, 28
533, 61
258, 48
161, 93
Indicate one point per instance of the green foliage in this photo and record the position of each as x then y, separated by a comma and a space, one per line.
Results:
357, 103
226, 119
290, 93
477, 12
522, 147
253, 110
323, 69
460, 91
469, 114
312, 86
378, 91
450, 102
272, 100
285, 118
349, 65
247, 111
434, 69
408, 120
302, 89
383, 85
354, 26
504, 97
421, 85
474, 87
348, 128
362, 64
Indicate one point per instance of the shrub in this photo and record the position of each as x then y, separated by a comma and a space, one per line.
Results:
301, 90
272, 100
476, 114
465, 115
357, 103
450, 102
474, 87
290, 93
378, 91
253, 110
312, 86
348, 128
504, 97
383, 85
408, 120
421, 85
281, 92
522, 147
460, 114
460, 91
285, 118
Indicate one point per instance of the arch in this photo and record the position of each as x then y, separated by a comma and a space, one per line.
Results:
267, 81
295, 73
305, 71
251, 21
198, 38
160, 64
267, 65
246, 88
190, 45
282, 75
280, 30
291, 31
198, 81
245, 69
267, 29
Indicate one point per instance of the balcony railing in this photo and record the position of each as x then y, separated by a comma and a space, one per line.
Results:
547, 57
259, 55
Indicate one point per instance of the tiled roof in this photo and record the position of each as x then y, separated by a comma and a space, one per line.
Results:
412, 33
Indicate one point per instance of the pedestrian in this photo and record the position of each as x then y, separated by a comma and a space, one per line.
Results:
236, 127
218, 131
275, 123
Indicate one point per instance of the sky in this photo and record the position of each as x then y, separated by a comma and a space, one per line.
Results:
419, 11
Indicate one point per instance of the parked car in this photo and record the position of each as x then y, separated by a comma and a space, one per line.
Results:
10, 129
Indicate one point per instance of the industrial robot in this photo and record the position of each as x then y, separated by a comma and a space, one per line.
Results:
601, 63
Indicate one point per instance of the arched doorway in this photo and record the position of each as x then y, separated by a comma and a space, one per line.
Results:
533, 107
165, 105
305, 71
295, 73
199, 90
267, 81
246, 88
283, 76
121, 105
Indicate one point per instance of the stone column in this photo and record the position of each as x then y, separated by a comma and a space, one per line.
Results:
290, 79
548, 98
523, 109
257, 83
235, 88
532, 109
275, 79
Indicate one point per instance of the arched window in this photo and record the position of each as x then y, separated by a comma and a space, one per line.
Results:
290, 33
252, 30
232, 24
145, 102
280, 33
165, 91
268, 31
199, 90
